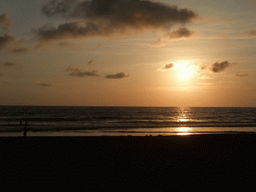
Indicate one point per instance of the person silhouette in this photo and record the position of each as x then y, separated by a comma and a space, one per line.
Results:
25, 128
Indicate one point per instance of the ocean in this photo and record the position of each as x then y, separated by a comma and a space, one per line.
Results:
124, 121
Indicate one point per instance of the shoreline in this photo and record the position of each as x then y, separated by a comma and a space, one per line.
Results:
115, 134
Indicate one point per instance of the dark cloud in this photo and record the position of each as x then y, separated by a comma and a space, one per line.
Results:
167, 66
242, 75
55, 7
20, 50
80, 73
70, 30
219, 67
251, 32
181, 32
104, 18
44, 84
5, 21
7, 64
116, 76
5, 40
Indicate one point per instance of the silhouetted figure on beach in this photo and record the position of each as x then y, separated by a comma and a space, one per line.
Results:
25, 128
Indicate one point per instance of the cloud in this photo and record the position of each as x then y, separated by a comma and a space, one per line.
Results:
44, 84
80, 73
5, 40
5, 21
242, 75
202, 66
219, 67
20, 50
120, 75
70, 30
181, 32
105, 18
55, 7
167, 67
7, 64
157, 43
91, 62
251, 32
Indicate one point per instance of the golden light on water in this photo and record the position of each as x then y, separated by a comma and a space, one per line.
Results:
183, 120
184, 131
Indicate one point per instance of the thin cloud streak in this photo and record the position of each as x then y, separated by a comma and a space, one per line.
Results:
7, 64
179, 33
80, 73
157, 43
91, 62
20, 50
251, 32
44, 84
242, 75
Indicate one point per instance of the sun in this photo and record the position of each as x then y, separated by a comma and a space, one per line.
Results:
185, 70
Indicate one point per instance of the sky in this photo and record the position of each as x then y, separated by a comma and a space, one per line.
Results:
190, 53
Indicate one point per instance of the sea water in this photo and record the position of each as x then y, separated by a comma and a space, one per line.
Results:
124, 121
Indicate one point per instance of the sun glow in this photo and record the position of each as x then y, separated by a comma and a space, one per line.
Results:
185, 70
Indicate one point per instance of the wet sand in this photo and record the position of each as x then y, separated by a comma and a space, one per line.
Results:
173, 161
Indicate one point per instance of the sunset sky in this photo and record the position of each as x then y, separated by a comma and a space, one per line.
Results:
195, 53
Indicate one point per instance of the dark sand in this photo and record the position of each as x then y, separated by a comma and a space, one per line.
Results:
195, 160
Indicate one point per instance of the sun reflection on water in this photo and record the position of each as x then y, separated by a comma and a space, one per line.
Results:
182, 120
183, 115
184, 131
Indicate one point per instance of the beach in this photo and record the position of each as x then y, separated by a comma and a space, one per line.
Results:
173, 161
